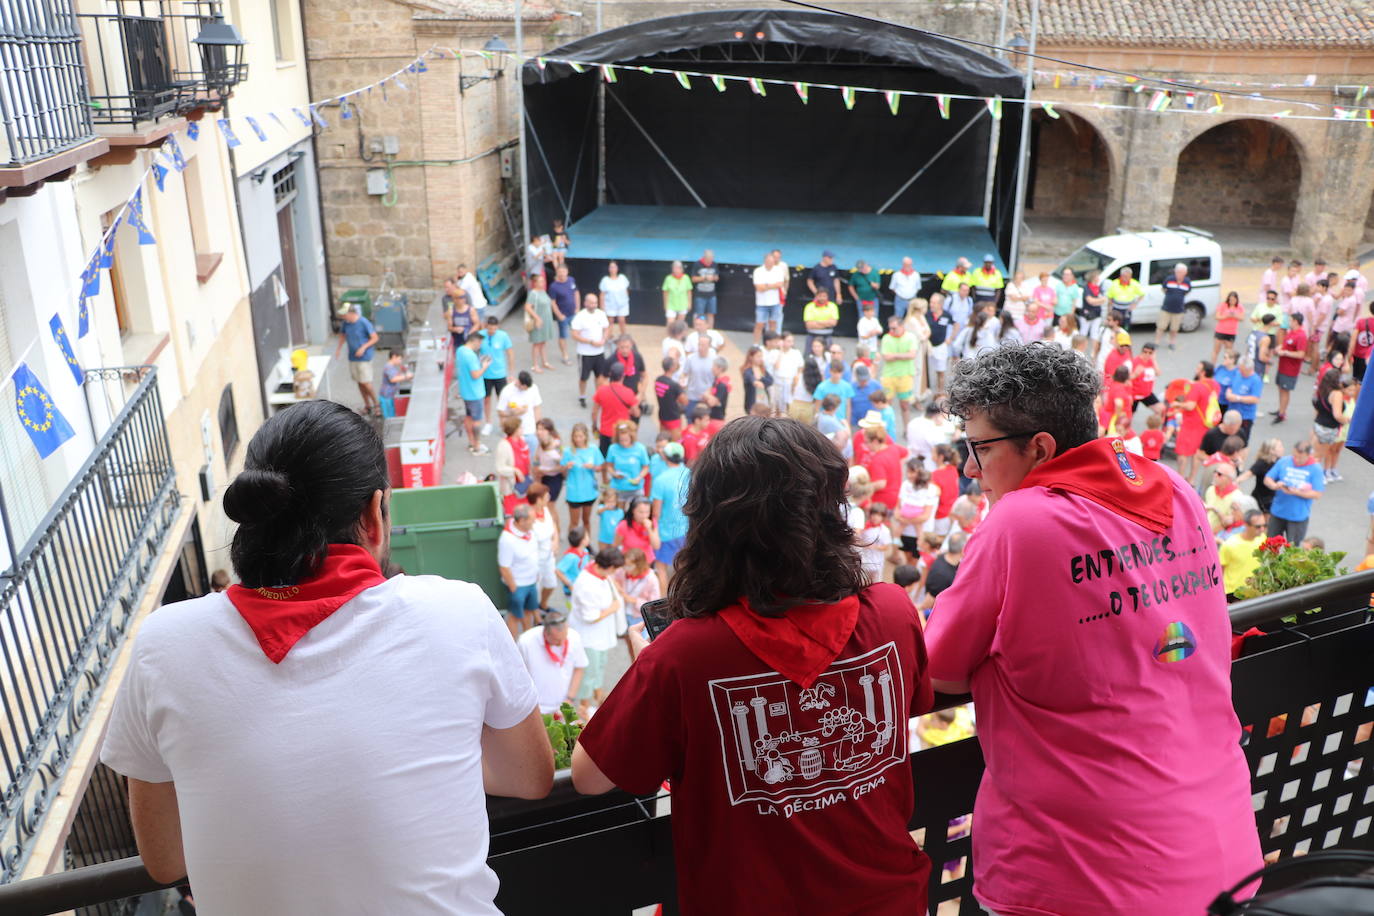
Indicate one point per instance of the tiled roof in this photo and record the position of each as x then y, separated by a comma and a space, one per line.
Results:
1202, 23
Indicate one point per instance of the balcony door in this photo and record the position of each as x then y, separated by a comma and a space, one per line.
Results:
284, 193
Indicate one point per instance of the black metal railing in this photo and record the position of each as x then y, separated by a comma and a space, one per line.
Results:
71, 593
44, 106
146, 65
1300, 683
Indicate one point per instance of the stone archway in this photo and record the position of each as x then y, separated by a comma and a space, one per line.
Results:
1070, 170
1243, 174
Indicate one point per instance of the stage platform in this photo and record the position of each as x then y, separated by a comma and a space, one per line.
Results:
645, 240
737, 236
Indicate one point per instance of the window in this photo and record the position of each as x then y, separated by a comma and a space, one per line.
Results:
228, 423
207, 260
121, 302
284, 184
1084, 260
281, 29
1199, 269
1135, 271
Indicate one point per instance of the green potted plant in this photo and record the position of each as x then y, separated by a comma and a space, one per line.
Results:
1283, 566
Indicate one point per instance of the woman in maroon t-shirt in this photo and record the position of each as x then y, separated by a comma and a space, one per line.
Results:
777, 702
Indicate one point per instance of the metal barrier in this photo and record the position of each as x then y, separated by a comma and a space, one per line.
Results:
43, 101
1304, 692
67, 601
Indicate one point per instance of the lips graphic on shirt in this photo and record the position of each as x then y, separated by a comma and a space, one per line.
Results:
1176, 643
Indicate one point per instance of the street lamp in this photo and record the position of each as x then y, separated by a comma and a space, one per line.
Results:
221, 54
496, 50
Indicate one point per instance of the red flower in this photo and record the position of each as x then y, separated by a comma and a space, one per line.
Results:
1274, 544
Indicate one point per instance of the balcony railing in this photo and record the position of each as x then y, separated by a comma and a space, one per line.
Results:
1304, 695
146, 65
43, 102
69, 597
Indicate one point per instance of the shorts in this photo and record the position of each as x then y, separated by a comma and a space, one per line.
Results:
939, 358
580, 505
674, 314
473, 409
360, 370
804, 411
547, 579
668, 549
898, 387
555, 484
911, 544
1224, 338
617, 310
1286, 382
764, 314
594, 675
494, 385
587, 365
1168, 321
524, 598
564, 327
388, 406
704, 305
1149, 400
1090, 328
1188, 442
1326, 435
671, 426
782, 393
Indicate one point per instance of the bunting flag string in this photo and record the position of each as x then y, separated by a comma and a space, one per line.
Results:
228, 132
893, 100
608, 73
256, 127
174, 148
718, 81
64, 343
193, 130
995, 107
1048, 108
1159, 101
847, 93
757, 86
803, 91
684, 80
942, 103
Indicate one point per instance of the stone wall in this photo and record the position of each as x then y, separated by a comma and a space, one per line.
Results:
1071, 169
1243, 173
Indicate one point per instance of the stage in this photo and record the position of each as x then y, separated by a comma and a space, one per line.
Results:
645, 240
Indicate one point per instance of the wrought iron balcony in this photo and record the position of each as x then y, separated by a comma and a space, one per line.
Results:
43, 102
1299, 686
151, 59
72, 591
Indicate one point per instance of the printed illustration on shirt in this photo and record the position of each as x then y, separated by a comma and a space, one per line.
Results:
781, 742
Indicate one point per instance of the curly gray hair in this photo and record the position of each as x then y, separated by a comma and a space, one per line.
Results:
1036, 387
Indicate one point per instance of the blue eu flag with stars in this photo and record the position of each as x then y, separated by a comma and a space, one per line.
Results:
39, 416
64, 343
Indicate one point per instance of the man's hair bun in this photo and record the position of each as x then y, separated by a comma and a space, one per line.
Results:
257, 496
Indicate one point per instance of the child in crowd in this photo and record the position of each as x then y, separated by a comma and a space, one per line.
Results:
549, 457
609, 513
875, 542
833, 427
878, 401
638, 584
657, 463
870, 328
916, 506
560, 243
1153, 439
908, 577
575, 559
863, 356
931, 543
393, 374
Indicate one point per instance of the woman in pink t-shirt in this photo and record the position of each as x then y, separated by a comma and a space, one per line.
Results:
638, 529
1115, 780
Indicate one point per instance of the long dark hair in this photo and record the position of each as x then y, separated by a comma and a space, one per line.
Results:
308, 473
1329, 382
764, 507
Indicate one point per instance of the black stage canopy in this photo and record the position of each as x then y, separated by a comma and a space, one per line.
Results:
646, 140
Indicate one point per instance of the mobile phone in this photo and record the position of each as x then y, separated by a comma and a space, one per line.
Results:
656, 619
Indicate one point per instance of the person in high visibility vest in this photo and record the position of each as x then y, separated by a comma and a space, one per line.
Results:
1124, 294
960, 274
987, 281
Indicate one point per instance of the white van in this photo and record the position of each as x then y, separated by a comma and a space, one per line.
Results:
1151, 256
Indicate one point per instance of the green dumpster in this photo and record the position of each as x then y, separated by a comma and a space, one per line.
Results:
450, 532
359, 298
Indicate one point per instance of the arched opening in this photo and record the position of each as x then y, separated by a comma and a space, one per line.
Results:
1241, 174
1070, 169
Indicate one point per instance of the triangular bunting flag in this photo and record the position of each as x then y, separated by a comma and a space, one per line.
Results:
1189, 101
718, 81
683, 79
577, 68
608, 73
178, 160
1159, 101
276, 117
757, 85
1048, 108
304, 118
135, 211
894, 99
942, 102
995, 107
319, 118
1359, 96
345, 110
193, 130
421, 66
847, 94
648, 70
1215, 109
540, 62
228, 132
83, 317
257, 128
64, 343
160, 176
802, 90
107, 246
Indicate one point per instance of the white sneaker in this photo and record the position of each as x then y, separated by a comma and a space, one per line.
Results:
486, 429
479, 450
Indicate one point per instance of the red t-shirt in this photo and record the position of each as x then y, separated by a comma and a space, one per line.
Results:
615, 400
1116, 391
1143, 384
693, 442
632, 536
887, 465
1114, 359
1152, 443
1295, 339
784, 800
947, 479
1364, 338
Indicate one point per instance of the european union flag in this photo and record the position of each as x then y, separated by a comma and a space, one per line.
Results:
160, 176
107, 246
90, 278
193, 130
344, 111
83, 317
64, 343
145, 235
228, 132
319, 118
305, 118
178, 160
257, 128
41, 419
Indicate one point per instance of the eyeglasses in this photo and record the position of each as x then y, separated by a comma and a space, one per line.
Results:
975, 444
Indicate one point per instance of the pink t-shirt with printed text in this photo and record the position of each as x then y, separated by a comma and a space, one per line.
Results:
1115, 780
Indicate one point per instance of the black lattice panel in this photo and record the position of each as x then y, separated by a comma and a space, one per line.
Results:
946, 780
1308, 709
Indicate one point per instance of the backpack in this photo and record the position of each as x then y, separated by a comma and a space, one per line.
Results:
1211, 416
1364, 337
1339, 881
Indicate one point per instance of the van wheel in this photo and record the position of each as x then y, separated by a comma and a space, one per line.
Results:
1193, 314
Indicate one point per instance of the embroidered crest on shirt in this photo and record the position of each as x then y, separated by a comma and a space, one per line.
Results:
805, 749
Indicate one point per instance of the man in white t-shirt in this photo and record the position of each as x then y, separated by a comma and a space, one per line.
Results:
265, 730
521, 398
770, 282
699, 327
556, 660
596, 603
468, 282
589, 329
925, 432
517, 560
905, 285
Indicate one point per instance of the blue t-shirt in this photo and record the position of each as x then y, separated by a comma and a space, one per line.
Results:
656, 465
1286, 506
356, 334
471, 389
495, 345
627, 462
890, 421
829, 423
389, 385
570, 564
1223, 378
841, 389
581, 483
671, 487
564, 292
861, 403
605, 532
1246, 387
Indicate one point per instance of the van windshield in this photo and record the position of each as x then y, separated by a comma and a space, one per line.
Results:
1084, 260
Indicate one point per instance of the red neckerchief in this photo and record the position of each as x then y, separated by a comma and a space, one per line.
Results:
801, 643
522, 535
1226, 489
725, 379
575, 552
560, 662
521, 448
1102, 471
279, 617
628, 362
